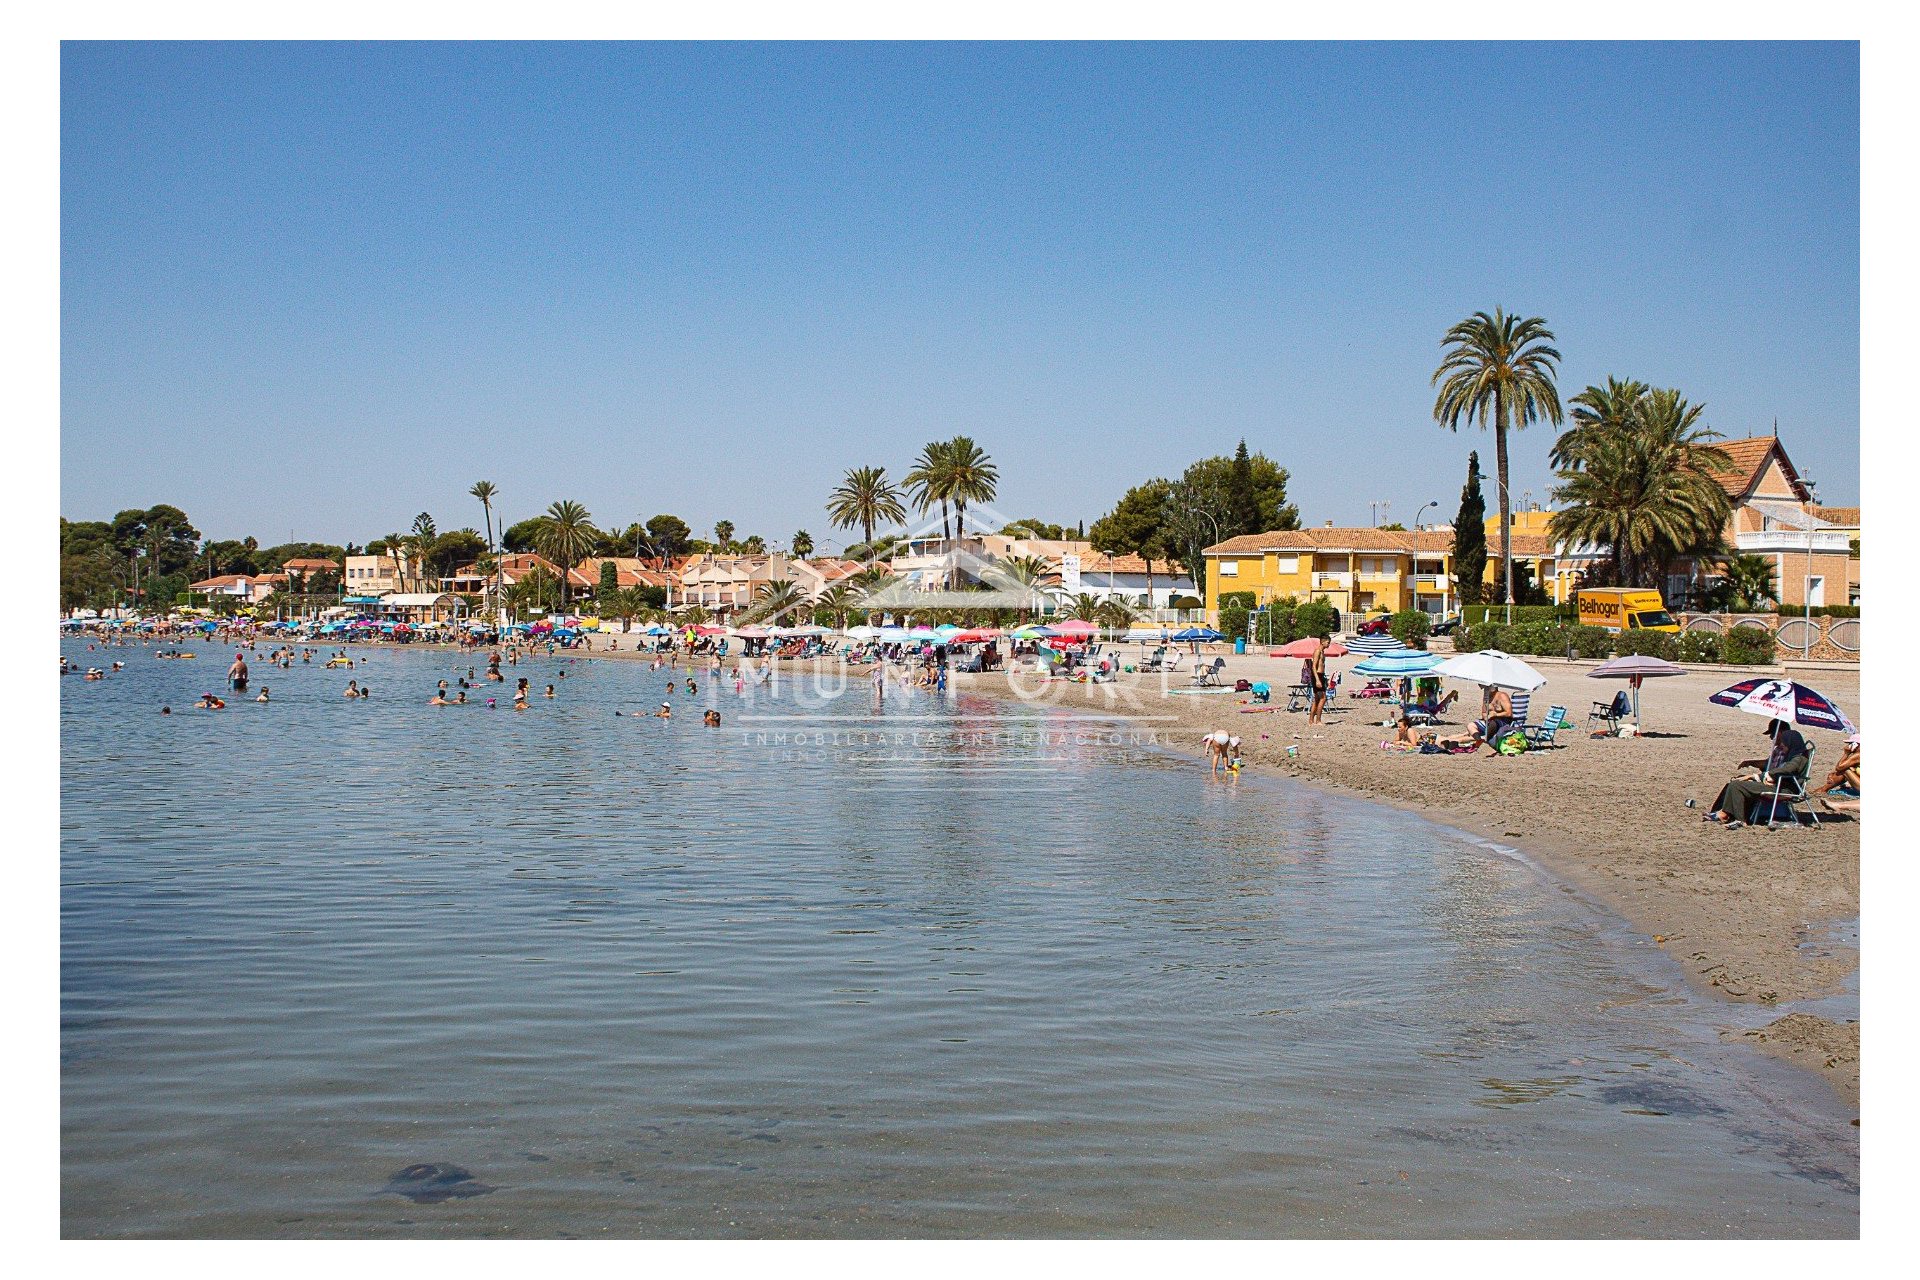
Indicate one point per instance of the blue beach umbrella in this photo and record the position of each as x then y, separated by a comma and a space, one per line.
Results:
1198, 634
1380, 644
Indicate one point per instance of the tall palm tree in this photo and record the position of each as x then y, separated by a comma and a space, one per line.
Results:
802, 543
1639, 476
930, 483
1085, 607
564, 534
396, 547
1500, 368
971, 477
775, 597
485, 490
865, 498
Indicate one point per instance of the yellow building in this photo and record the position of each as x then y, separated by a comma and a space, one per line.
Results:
1361, 570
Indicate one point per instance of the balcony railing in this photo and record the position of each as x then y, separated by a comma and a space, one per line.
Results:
1335, 581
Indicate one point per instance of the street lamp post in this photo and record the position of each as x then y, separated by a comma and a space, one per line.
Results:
1806, 584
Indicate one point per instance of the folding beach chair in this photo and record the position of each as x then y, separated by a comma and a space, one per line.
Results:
1207, 675
1153, 661
1611, 713
1789, 795
1541, 735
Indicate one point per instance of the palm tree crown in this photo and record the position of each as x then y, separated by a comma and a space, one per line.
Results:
865, 498
1639, 476
1500, 368
564, 534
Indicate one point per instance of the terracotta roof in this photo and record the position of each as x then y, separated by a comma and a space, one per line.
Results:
310, 565
224, 580
1322, 539
1425, 542
1838, 515
1129, 563
1749, 457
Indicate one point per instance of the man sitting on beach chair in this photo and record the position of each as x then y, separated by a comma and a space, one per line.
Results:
1153, 660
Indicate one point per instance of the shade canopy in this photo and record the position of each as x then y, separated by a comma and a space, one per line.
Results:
1073, 627
863, 632
753, 633
1491, 668
1786, 700
1198, 633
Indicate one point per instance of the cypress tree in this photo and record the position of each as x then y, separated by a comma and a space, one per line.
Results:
1470, 537
1243, 503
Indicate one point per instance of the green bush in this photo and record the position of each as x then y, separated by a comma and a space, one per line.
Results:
1410, 627
1700, 646
1233, 620
1654, 644
1747, 646
1590, 642
1315, 618
1482, 635
1521, 613
1243, 599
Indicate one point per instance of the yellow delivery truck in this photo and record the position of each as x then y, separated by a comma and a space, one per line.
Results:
1624, 609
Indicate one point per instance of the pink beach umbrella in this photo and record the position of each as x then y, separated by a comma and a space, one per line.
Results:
1303, 648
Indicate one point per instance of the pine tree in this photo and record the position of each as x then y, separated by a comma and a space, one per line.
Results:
1470, 537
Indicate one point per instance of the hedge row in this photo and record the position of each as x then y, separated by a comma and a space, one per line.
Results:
1521, 613
1281, 622
1819, 611
1742, 646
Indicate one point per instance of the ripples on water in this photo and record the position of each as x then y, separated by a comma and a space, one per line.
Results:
955, 972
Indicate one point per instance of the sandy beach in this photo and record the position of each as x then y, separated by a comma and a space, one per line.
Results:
1746, 913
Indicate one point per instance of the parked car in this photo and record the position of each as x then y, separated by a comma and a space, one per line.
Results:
1376, 626
1445, 625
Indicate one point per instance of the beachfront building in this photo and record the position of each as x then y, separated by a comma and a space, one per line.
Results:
1070, 568
1774, 515
230, 586
724, 584
382, 574
418, 607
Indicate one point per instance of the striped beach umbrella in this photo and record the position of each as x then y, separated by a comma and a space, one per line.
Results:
1382, 643
1401, 664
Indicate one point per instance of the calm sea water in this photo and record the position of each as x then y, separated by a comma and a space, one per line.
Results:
945, 969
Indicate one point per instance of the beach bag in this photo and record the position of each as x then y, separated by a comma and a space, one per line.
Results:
1241, 686
1512, 744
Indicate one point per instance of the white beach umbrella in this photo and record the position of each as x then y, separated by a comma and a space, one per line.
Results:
1492, 668
862, 632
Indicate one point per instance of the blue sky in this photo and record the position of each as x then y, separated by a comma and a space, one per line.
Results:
313, 289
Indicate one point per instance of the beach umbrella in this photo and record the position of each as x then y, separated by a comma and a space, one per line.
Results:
658, 629
1382, 643
1197, 634
1491, 668
1786, 700
862, 632
1635, 667
757, 633
808, 629
707, 629
1303, 648
1404, 664
947, 628
1076, 627
975, 635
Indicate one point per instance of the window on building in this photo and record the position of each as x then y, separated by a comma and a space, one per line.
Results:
1229, 568
1287, 564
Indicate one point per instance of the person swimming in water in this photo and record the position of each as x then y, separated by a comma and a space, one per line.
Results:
549, 692
664, 713
263, 693
439, 698
237, 673
711, 719
353, 689
210, 703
